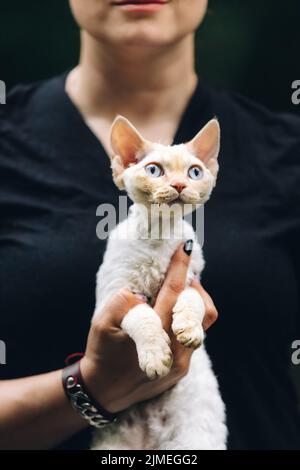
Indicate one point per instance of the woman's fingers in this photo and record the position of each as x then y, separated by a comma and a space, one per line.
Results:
117, 307
211, 313
174, 283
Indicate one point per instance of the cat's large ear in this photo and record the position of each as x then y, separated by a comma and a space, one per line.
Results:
127, 142
128, 147
206, 145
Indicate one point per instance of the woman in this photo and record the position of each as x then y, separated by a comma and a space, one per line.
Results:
138, 61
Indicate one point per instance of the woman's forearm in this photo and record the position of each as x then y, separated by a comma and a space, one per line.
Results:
35, 413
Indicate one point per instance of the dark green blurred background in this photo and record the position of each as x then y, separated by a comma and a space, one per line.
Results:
251, 46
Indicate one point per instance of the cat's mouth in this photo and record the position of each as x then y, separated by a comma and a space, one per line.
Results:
169, 195
178, 199
164, 197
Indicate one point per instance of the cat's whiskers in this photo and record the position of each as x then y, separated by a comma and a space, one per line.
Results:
190, 197
164, 195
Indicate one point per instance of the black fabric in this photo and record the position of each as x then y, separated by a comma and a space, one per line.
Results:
53, 175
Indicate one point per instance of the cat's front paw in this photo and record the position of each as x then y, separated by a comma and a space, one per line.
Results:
188, 314
155, 356
188, 332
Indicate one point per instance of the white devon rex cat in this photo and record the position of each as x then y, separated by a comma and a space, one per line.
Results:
191, 415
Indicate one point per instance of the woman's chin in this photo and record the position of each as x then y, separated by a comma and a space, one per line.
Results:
142, 31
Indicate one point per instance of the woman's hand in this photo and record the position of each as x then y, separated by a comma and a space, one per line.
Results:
110, 366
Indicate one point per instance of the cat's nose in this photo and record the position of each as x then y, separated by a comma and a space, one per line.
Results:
178, 186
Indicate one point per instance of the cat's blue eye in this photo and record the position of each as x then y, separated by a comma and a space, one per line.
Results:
195, 172
153, 170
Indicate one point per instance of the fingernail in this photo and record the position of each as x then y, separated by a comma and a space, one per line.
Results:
142, 297
188, 247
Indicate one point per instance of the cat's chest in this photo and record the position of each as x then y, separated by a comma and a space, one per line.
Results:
148, 267
139, 264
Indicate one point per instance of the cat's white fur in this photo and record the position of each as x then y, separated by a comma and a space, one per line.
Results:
191, 415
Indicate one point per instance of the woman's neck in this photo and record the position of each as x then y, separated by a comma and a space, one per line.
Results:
141, 83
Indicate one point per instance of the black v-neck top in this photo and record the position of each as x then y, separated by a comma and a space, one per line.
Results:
53, 175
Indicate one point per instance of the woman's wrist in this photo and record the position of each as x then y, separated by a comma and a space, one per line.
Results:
98, 389
83, 402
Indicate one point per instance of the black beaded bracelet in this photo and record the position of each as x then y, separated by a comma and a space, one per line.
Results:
81, 400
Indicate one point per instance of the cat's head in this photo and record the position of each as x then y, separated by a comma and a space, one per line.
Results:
153, 173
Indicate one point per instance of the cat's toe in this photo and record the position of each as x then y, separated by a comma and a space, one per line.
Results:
155, 360
189, 333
